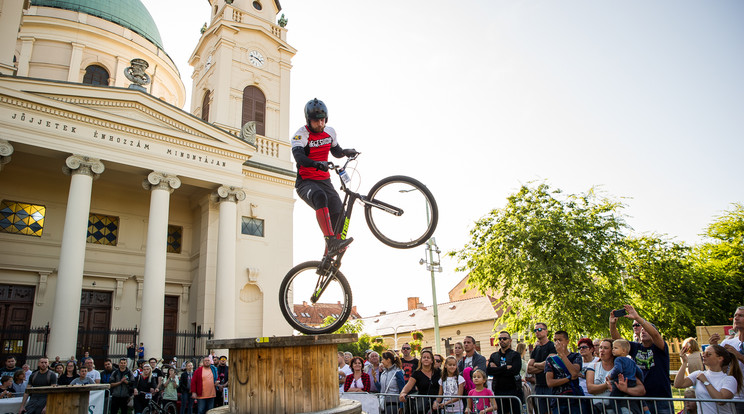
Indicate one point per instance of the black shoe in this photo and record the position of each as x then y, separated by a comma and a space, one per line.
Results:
334, 245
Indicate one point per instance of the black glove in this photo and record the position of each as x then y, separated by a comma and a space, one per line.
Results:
321, 165
349, 152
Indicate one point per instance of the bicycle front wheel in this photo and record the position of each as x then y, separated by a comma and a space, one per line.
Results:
306, 310
401, 212
171, 408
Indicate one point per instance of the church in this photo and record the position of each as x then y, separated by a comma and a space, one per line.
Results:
118, 209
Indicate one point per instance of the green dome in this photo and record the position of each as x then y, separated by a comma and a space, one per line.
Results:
131, 14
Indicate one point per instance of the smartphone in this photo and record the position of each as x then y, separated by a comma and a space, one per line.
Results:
619, 312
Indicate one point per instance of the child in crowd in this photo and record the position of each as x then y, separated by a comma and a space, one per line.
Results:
451, 383
480, 405
690, 407
83, 378
623, 365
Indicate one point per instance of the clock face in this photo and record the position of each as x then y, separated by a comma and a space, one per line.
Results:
256, 58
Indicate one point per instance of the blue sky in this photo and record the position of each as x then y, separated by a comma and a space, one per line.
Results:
475, 98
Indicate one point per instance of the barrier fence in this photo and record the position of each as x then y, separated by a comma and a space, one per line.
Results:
539, 404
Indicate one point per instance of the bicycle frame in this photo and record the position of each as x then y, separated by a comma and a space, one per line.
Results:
331, 263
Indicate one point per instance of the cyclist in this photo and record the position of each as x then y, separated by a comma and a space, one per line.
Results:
310, 147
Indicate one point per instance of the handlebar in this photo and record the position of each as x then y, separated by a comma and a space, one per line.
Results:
337, 167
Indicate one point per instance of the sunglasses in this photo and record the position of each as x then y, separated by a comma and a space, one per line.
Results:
405, 348
635, 325
438, 361
504, 339
583, 347
539, 329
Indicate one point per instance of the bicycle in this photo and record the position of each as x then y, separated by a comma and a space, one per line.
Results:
157, 407
389, 210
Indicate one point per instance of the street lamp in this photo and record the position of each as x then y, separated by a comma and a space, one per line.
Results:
395, 331
432, 266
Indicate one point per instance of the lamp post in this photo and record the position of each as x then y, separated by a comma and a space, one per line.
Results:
395, 332
432, 266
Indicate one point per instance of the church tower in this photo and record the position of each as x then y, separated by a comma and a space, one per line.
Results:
241, 68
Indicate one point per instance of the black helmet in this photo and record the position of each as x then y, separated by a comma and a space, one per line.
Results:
315, 109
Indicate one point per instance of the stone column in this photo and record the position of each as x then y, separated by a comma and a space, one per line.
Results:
161, 185
64, 326
6, 149
225, 290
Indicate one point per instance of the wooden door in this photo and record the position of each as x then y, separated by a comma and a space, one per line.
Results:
16, 309
170, 325
94, 325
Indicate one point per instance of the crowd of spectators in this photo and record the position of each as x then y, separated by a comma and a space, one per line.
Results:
603, 367
133, 382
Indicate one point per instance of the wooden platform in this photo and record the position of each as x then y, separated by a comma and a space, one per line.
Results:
67, 399
288, 374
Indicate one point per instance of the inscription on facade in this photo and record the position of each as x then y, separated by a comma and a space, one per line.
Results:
199, 158
111, 139
135, 143
35, 120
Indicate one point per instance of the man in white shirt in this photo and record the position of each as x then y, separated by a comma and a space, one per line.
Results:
93, 374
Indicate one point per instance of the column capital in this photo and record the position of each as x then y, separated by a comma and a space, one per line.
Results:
157, 180
6, 148
81, 164
228, 193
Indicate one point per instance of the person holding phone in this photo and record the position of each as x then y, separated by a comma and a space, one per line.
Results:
652, 357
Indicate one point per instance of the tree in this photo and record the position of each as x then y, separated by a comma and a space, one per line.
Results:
721, 258
352, 326
665, 285
550, 257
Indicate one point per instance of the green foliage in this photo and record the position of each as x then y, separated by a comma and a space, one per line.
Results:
663, 284
551, 257
565, 260
721, 257
352, 326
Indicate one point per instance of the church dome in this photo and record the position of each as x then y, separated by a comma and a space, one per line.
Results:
131, 14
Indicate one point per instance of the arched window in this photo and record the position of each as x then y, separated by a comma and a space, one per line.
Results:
254, 108
205, 107
96, 75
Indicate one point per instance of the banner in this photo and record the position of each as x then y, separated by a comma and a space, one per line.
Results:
95, 404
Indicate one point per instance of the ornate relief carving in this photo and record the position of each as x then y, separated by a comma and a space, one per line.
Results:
5, 150
229, 193
161, 181
81, 164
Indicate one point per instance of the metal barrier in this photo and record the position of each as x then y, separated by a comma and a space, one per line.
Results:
553, 404
424, 404
591, 404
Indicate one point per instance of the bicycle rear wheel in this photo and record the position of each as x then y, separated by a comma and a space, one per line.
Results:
312, 316
402, 212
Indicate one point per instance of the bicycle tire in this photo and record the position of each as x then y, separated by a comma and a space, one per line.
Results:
293, 289
393, 230
170, 408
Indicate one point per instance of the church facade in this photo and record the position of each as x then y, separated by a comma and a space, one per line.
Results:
118, 208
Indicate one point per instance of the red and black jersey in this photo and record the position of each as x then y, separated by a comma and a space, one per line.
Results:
316, 146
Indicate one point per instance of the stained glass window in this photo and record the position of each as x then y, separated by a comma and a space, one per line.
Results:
103, 229
22, 218
252, 226
175, 238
